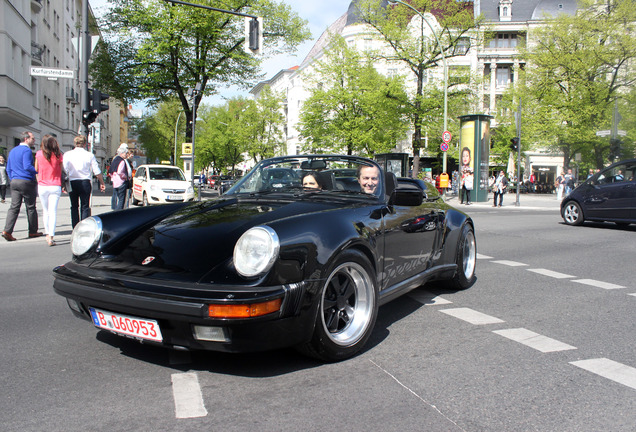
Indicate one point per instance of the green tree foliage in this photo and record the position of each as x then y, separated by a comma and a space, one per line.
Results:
352, 108
578, 66
156, 132
412, 43
154, 50
265, 122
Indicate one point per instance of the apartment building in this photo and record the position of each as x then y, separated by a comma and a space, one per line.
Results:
44, 34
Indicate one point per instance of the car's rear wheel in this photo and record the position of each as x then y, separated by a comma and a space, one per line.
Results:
133, 200
466, 259
145, 199
572, 213
347, 309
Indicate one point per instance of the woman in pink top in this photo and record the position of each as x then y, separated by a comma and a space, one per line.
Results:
48, 164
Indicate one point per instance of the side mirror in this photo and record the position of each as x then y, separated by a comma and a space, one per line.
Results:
407, 196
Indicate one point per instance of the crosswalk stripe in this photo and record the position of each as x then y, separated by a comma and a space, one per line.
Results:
428, 298
598, 284
609, 369
480, 256
510, 263
471, 316
188, 400
534, 340
550, 273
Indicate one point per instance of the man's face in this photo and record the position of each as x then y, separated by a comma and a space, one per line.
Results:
369, 179
30, 139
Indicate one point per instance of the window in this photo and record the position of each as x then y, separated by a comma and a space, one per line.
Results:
504, 40
504, 76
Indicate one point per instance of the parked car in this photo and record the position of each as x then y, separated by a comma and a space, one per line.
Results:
160, 184
288, 266
609, 195
225, 183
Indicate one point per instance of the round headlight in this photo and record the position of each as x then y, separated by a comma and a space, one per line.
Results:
256, 251
85, 235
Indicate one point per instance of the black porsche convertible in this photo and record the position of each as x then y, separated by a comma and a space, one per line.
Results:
300, 252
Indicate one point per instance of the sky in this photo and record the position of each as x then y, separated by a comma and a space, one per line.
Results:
319, 14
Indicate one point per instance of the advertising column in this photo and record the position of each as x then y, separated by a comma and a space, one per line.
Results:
474, 152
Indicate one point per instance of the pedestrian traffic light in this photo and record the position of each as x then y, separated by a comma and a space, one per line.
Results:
253, 35
97, 98
514, 144
88, 117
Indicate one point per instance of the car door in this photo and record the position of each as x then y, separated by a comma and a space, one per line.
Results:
138, 181
410, 236
612, 194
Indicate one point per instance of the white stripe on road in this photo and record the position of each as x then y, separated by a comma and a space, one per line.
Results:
472, 316
550, 273
609, 369
510, 263
480, 256
534, 340
632, 294
598, 284
428, 298
188, 400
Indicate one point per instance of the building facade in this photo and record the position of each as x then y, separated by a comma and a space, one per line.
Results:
43, 34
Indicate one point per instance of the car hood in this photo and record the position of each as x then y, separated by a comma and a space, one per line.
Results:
193, 239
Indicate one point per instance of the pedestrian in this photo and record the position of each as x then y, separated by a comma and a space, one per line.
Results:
467, 185
80, 166
48, 164
560, 185
590, 174
499, 189
569, 182
131, 171
4, 179
24, 186
119, 174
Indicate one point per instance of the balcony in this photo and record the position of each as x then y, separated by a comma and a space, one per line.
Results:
36, 5
36, 54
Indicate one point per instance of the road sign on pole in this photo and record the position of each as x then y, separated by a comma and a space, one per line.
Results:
444, 147
446, 137
52, 73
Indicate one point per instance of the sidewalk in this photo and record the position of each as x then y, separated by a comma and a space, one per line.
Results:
527, 201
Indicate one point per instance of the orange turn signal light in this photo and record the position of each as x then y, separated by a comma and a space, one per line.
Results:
244, 310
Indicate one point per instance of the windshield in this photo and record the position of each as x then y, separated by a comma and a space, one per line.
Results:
316, 173
166, 174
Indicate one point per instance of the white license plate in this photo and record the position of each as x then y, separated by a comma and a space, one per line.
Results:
174, 198
127, 325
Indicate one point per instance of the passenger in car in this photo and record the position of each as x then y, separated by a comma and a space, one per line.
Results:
311, 180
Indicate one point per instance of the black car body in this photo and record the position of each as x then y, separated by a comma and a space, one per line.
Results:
268, 264
609, 195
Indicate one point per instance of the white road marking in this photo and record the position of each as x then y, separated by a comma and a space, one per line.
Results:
550, 273
632, 294
480, 256
609, 369
188, 400
510, 263
534, 340
598, 284
472, 316
428, 298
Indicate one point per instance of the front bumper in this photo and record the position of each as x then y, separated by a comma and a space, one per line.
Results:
177, 311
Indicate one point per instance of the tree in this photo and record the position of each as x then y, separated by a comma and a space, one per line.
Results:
411, 43
154, 50
578, 67
157, 131
265, 123
356, 110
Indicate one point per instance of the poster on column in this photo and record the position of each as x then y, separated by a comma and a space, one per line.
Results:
467, 145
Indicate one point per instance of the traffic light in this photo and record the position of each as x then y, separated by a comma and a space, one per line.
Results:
88, 117
615, 148
97, 98
253, 35
514, 144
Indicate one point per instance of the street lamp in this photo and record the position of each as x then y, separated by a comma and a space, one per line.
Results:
443, 52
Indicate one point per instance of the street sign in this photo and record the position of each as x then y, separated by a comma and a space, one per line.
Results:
443, 147
446, 137
603, 133
52, 73
186, 148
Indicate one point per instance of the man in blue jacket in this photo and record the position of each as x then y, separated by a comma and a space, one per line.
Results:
24, 186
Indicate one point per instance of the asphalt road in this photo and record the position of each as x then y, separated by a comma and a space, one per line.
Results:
544, 341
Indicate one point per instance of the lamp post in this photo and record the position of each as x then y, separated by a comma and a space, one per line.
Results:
194, 93
176, 128
443, 52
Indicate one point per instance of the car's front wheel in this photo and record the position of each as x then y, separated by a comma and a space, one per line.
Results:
572, 213
145, 200
466, 259
347, 309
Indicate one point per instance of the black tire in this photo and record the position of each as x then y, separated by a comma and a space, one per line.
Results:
347, 309
133, 200
466, 259
572, 214
145, 200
